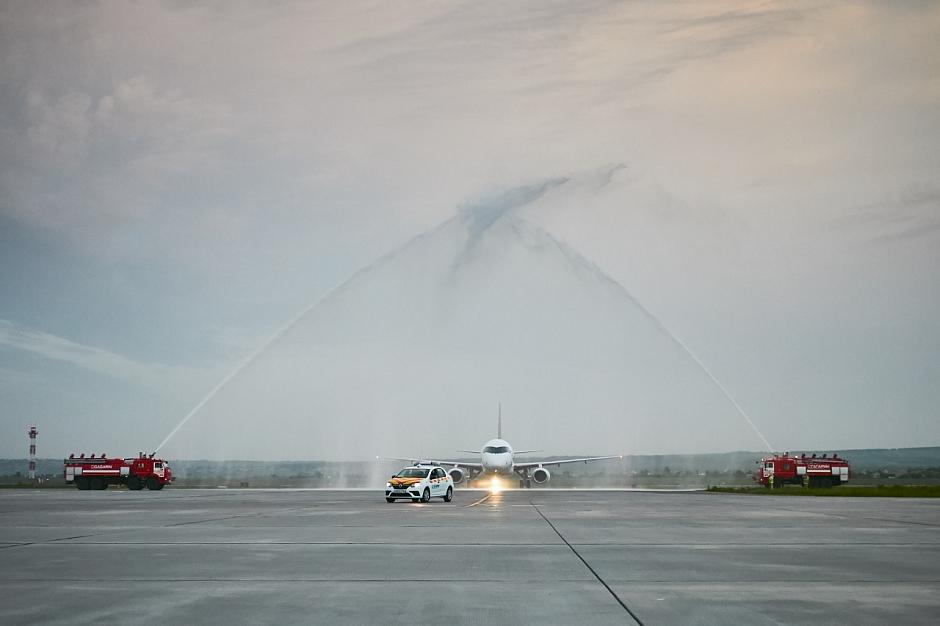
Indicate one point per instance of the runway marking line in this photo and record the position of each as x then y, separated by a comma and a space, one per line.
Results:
480, 501
588, 565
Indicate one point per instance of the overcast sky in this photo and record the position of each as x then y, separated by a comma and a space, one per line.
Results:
178, 181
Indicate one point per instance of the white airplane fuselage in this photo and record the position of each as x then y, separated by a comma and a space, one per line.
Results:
496, 457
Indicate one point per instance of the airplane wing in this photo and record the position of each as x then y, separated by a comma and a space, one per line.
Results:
415, 461
532, 464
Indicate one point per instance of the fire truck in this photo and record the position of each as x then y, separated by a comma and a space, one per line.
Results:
97, 472
810, 471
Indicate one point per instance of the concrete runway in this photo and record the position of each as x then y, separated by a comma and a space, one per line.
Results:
519, 557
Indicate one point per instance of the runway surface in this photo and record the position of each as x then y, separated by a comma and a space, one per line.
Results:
519, 557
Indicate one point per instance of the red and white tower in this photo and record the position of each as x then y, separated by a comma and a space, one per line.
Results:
33, 431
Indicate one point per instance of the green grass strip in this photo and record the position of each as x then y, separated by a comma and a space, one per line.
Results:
881, 491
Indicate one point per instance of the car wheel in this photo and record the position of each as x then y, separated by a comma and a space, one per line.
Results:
426, 495
449, 495
389, 499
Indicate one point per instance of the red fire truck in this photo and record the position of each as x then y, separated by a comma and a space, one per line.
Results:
810, 471
98, 472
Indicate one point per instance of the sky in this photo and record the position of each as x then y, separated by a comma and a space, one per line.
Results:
179, 181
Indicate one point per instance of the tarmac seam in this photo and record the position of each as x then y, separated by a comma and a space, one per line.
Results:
310, 543
470, 543
240, 515
214, 519
871, 519
297, 580
470, 580
39, 543
588, 565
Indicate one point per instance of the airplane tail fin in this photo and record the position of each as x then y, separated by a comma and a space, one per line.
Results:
499, 420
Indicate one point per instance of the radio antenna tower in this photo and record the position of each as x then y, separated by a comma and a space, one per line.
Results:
33, 431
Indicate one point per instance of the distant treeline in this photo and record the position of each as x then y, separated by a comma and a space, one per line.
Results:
880, 462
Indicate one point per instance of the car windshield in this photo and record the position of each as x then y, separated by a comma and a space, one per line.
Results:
412, 472
496, 449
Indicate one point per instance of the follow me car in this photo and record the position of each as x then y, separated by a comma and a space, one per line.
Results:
420, 483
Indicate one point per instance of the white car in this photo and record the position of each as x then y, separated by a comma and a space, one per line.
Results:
420, 483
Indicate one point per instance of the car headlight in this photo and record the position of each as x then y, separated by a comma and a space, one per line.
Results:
388, 485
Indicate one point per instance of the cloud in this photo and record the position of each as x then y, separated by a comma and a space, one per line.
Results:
94, 359
95, 162
910, 215
190, 189
329, 118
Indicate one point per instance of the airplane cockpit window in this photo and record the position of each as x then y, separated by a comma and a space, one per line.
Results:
496, 449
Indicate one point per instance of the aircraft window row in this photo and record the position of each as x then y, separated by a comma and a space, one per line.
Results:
496, 449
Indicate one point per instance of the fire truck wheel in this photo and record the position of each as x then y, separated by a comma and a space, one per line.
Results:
82, 483
134, 484
97, 484
152, 484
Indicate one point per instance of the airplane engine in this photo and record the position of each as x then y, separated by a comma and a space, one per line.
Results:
541, 475
457, 475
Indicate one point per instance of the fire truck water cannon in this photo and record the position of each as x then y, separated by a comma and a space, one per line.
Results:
97, 472
806, 470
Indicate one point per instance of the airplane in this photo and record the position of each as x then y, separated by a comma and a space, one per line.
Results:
497, 459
